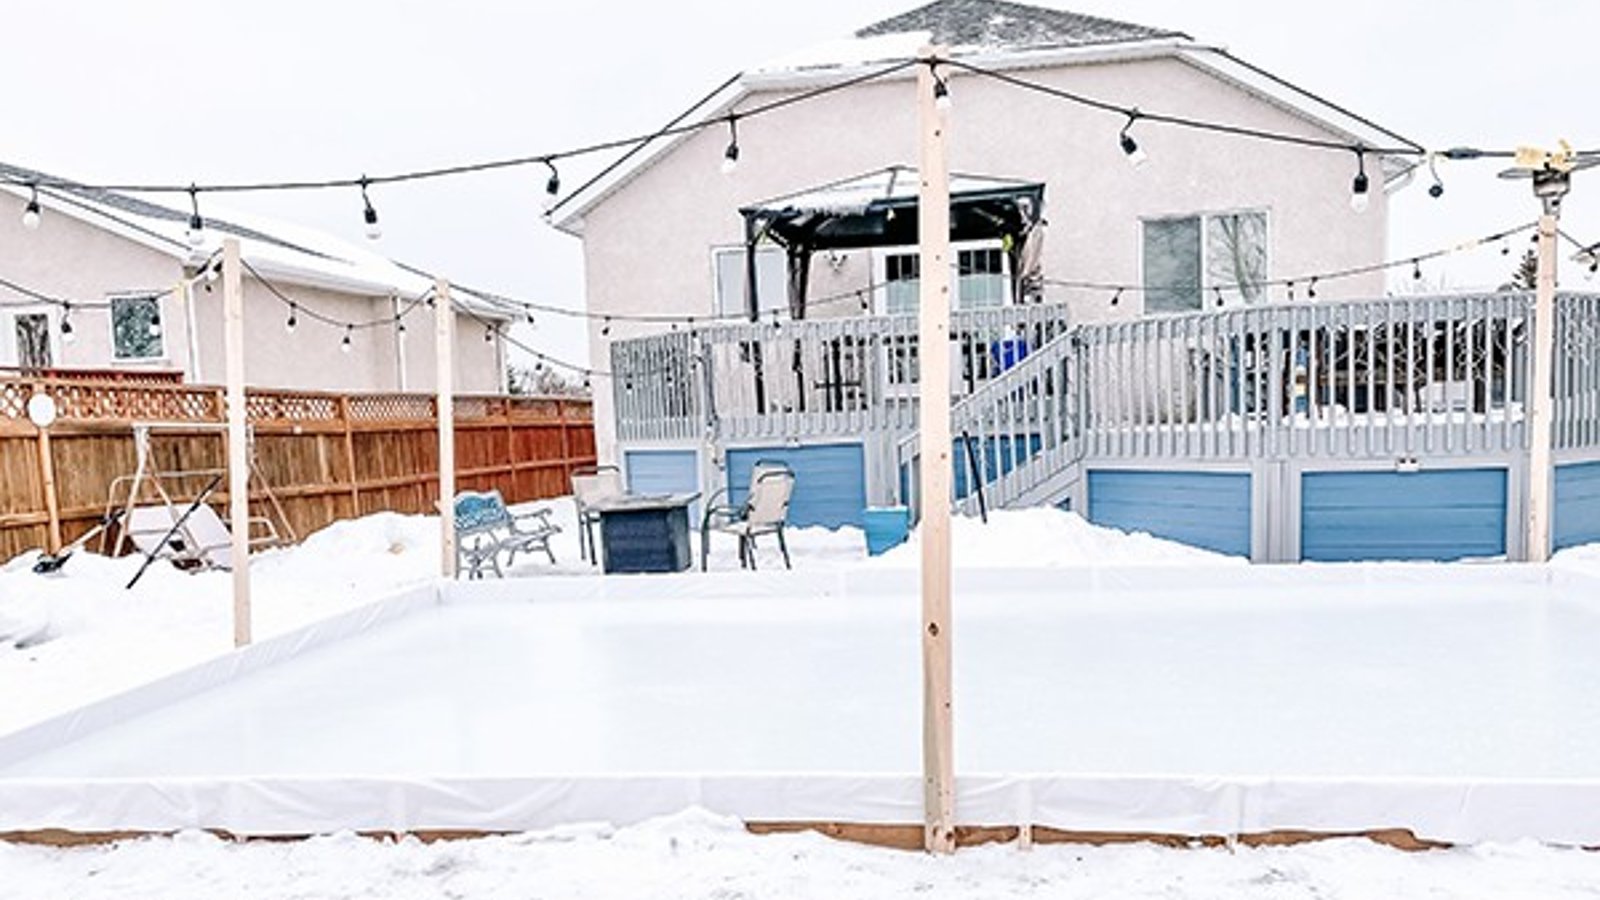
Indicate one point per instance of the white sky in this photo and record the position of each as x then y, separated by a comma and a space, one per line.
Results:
182, 90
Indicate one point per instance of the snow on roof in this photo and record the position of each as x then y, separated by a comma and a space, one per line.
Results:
285, 252
996, 24
854, 195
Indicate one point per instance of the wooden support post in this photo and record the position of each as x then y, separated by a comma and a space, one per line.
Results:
444, 350
1541, 487
933, 337
238, 444
47, 478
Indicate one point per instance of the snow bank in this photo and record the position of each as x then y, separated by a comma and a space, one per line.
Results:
1049, 537
696, 855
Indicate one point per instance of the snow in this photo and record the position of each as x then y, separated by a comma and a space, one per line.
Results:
694, 855
77, 636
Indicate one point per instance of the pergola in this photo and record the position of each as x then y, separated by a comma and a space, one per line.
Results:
879, 209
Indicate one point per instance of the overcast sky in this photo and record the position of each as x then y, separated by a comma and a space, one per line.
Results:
174, 90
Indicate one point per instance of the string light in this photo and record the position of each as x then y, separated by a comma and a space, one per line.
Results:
30, 215
1311, 289
370, 215
730, 156
1358, 186
1117, 297
345, 345
1130, 147
941, 90
1416, 270
400, 324
197, 225
605, 329
154, 329
488, 335
1435, 190
552, 186
67, 335
289, 323
1218, 290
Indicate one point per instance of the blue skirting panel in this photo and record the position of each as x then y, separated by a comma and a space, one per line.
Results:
830, 481
1203, 509
996, 455
664, 472
1577, 515
1440, 515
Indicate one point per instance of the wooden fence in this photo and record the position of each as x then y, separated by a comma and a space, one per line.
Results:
326, 456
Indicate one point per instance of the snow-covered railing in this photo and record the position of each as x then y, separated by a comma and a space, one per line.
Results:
1577, 372
818, 377
1398, 376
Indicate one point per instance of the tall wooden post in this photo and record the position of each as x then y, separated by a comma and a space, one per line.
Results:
444, 339
238, 442
933, 339
47, 479
1541, 487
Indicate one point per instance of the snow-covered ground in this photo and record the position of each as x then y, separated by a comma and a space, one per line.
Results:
78, 636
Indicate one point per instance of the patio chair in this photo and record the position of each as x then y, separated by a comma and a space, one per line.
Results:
765, 511
591, 485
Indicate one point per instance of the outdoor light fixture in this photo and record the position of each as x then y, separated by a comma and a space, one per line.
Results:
67, 336
374, 231
730, 156
155, 327
344, 345
197, 225
1416, 270
605, 328
1130, 147
1311, 289
289, 323
399, 325
1358, 187
488, 335
1435, 190
30, 215
1117, 297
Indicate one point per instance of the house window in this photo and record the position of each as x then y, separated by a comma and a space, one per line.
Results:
1195, 258
136, 328
33, 340
772, 279
983, 280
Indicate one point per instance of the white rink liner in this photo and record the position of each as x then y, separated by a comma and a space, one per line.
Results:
1462, 702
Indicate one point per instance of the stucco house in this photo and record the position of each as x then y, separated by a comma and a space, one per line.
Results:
134, 299
1205, 214
1199, 346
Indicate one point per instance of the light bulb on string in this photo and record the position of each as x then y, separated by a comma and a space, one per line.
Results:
1416, 270
345, 345
196, 234
1218, 290
552, 186
369, 214
1311, 289
488, 334
605, 328
1358, 186
1435, 190
154, 328
1130, 147
67, 334
941, 90
1117, 297
730, 156
400, 324
30, 215
289, 323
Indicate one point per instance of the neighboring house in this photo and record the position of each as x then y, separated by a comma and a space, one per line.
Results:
141, 305
1206, 217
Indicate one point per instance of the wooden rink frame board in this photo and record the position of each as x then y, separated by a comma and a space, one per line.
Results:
327, 456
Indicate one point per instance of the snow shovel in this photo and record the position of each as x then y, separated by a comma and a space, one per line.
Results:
177, 523
52, 562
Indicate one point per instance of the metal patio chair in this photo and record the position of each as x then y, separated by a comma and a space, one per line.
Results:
592, 485
765, 511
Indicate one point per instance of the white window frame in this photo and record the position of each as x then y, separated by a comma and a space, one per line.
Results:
52, 316
161, 314
880, 272
764, 298
1206, 286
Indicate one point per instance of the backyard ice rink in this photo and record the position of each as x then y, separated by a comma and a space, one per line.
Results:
1168, 662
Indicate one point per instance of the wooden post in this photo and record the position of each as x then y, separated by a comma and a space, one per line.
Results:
933, 338
47, 477
1541, 488
350, 455
238, 444
444, 349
